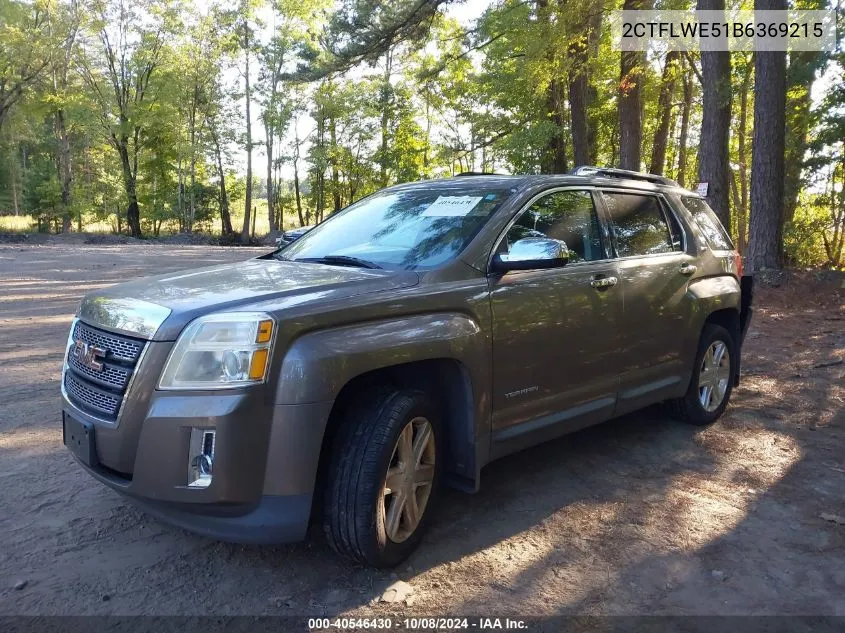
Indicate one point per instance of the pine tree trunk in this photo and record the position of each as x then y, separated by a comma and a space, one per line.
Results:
664, 108
193, 211
296, 191
333, 162
578, 114
556, 157
767, 158
248, 194
742, 156
225, 218
630, 108
133, 214
713, 151
271, 211
384, 104
684, 133
65, 173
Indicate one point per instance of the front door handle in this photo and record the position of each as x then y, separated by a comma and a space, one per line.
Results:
688, 269
601, 283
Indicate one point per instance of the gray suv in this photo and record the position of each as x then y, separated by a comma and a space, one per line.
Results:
404, 343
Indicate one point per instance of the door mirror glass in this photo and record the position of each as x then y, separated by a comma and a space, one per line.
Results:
531, 253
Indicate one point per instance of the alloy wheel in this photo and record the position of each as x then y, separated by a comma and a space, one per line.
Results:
714, 376
408, 483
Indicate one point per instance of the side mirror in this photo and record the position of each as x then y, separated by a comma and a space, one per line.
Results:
531, 253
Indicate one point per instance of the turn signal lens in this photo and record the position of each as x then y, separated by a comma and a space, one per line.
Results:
265, 331
258, 364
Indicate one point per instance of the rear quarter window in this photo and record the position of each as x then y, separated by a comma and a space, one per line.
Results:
708, 224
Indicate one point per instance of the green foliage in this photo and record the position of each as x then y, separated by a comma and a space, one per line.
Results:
146, 98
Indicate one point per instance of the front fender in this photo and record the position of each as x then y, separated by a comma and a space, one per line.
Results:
318, 364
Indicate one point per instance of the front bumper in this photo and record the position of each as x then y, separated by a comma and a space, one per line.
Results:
265, 463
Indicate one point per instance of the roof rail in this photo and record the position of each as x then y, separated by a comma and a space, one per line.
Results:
612, 172
477, 173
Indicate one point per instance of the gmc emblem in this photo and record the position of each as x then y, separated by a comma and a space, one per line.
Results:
88, 355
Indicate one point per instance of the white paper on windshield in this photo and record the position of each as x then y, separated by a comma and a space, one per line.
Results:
451, 206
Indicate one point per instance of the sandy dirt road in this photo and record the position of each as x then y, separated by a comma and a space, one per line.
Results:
642, 515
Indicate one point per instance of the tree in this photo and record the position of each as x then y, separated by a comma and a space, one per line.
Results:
24, 49
671, 69
631, 75
765, 241
800, 76
583, 43
63, 25
362, 31
123, 55
713, 151
246, 34
824, 216
739, 179
686, 109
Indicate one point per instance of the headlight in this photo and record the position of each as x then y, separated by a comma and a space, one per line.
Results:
220, 351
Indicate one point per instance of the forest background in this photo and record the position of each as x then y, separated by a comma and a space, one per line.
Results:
239, 119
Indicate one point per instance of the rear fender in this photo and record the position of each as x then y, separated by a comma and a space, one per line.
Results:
721, 294
711, 294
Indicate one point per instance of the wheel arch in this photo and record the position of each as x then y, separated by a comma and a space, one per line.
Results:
445, 354
717, 301
448, 383
729, 319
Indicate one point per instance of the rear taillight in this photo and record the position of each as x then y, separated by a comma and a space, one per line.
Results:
738, 264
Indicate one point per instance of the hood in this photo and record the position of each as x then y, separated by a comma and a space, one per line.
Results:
159, 307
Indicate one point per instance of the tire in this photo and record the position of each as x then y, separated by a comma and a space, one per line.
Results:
691, 408
357, 503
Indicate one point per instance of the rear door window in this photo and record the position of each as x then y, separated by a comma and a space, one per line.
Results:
708, 223
639, 224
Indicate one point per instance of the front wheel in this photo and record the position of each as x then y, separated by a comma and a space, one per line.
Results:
712, 378
383, 477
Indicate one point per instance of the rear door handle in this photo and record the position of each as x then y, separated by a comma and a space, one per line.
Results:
688, 269
601, 283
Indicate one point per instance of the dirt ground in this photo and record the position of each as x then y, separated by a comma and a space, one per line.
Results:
642, 515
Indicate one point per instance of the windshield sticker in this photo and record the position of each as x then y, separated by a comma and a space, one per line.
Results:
451, 206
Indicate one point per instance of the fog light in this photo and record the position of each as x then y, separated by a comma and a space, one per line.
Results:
201, 458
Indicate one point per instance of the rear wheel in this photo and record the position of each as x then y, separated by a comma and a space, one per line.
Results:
383, 477
712, 378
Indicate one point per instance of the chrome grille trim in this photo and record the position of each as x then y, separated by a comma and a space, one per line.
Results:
113, 376
91, 398
119, 348
101, 395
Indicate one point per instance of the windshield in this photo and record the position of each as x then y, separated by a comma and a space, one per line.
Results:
414, 228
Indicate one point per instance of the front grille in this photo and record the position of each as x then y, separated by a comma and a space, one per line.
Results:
110, 376
91, 399
100, 392
121, 348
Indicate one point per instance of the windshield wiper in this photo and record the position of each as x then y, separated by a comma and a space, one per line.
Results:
339, 260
